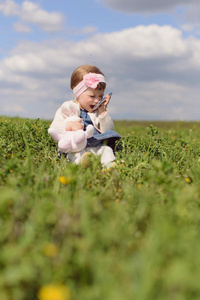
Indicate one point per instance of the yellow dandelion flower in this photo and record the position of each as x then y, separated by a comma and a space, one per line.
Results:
188, 180
139, 186
11, 171
64, 180
54, 292
133, 132
50, 250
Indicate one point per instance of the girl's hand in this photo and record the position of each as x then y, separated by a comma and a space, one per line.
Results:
74, 125
102, 108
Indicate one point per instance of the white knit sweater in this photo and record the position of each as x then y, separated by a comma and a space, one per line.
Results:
69, 109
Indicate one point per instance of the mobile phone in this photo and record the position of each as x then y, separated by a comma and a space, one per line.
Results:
100, 102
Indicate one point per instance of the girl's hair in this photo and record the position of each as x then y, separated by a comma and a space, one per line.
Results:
77, 76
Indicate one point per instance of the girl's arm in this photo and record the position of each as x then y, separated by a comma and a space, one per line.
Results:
105, 122
103, 107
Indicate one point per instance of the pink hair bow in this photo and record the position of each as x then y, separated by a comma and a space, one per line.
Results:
90, 80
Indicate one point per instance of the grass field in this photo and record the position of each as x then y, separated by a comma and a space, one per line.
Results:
80, 234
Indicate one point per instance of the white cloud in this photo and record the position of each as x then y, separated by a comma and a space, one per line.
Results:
145, 42
86, 31
9, 8
23, 64
153, 72
189, 18
146, 6
32, 13
15, 108
192, 18
20, 27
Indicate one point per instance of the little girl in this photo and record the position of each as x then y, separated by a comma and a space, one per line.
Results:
88, 84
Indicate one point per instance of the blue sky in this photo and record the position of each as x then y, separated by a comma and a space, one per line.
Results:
149, 51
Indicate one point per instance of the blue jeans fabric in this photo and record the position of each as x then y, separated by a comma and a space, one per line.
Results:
109, 137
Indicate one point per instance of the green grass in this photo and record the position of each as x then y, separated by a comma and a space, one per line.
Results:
130, 234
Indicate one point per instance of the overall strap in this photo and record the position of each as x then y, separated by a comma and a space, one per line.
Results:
86, 118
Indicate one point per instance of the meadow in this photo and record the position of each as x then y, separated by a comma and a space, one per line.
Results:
74, 233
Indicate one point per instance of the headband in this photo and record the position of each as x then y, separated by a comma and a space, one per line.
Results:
90, 80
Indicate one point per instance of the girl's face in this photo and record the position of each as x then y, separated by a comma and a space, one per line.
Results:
88, 99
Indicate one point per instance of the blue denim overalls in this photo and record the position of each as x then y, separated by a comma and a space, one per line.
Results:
109, 137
